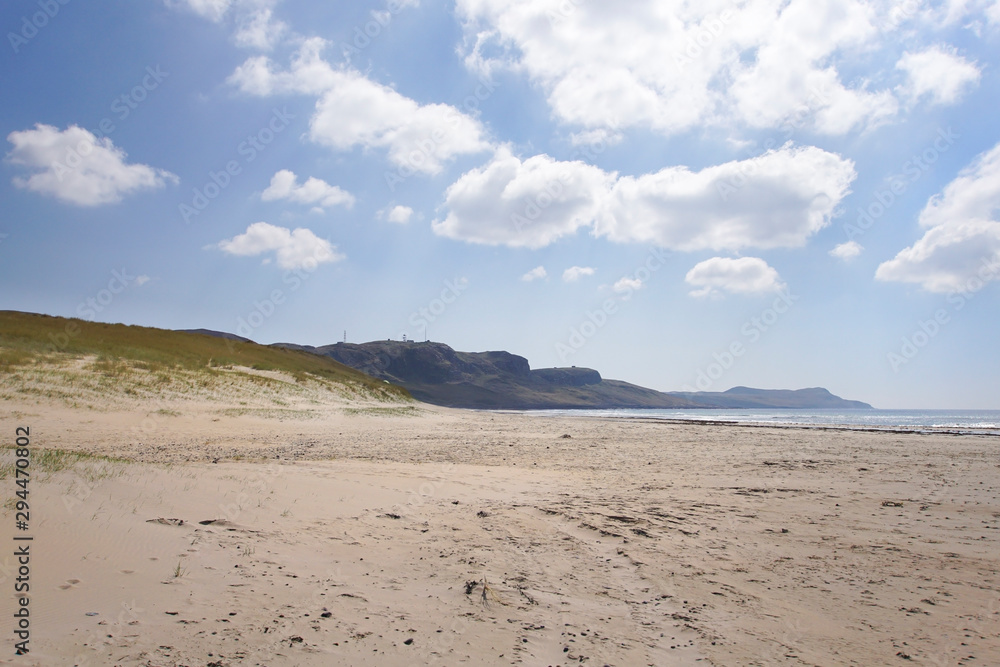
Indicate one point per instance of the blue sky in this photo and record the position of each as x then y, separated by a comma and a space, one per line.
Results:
774, 194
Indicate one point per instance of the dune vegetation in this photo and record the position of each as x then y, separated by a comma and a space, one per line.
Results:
82, 363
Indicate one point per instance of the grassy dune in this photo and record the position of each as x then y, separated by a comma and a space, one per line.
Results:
77, 361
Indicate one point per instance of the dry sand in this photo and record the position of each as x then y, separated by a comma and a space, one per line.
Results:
345, 535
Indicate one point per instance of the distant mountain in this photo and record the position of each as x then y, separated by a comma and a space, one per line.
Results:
745, 397
435, 373
216, 334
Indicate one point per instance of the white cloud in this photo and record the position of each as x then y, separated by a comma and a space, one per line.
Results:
674, 65
627, 285
962, 241
360, 112
847, 251
399, 214
313, 191
353, 110
574, 273
259, 30
993, 12
307, 74
938, 74
746, 275
522, 204
213, 10
954, 11
141, 280
778, 199
75, 166
294, 249
536, 273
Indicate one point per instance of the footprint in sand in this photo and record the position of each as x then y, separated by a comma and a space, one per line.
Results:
70, 583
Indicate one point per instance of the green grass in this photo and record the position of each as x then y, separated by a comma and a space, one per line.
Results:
272, 413
27, 339
404, 411
55, 460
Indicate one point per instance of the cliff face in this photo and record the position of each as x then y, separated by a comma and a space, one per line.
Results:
435, 373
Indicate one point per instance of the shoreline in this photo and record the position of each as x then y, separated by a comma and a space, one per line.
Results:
991, 431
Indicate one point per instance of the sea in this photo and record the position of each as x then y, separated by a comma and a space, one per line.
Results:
957, 422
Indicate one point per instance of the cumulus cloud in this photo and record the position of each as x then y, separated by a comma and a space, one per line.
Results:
529, 203
962, 241
213, 10
293, 248
574, 273
398, 214
673, 65
308, 73
78, 168
353, 110
626, 285
746, 275
847, 251
536, 273
778, 199
937, 74
260, 30
314, 191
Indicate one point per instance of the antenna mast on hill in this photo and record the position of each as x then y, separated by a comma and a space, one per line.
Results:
345, 335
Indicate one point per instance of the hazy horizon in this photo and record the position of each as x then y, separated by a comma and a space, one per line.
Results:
771, 195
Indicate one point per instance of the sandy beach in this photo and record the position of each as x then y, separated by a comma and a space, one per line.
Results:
365, 534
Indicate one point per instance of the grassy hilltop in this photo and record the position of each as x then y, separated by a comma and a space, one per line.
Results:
80, 362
